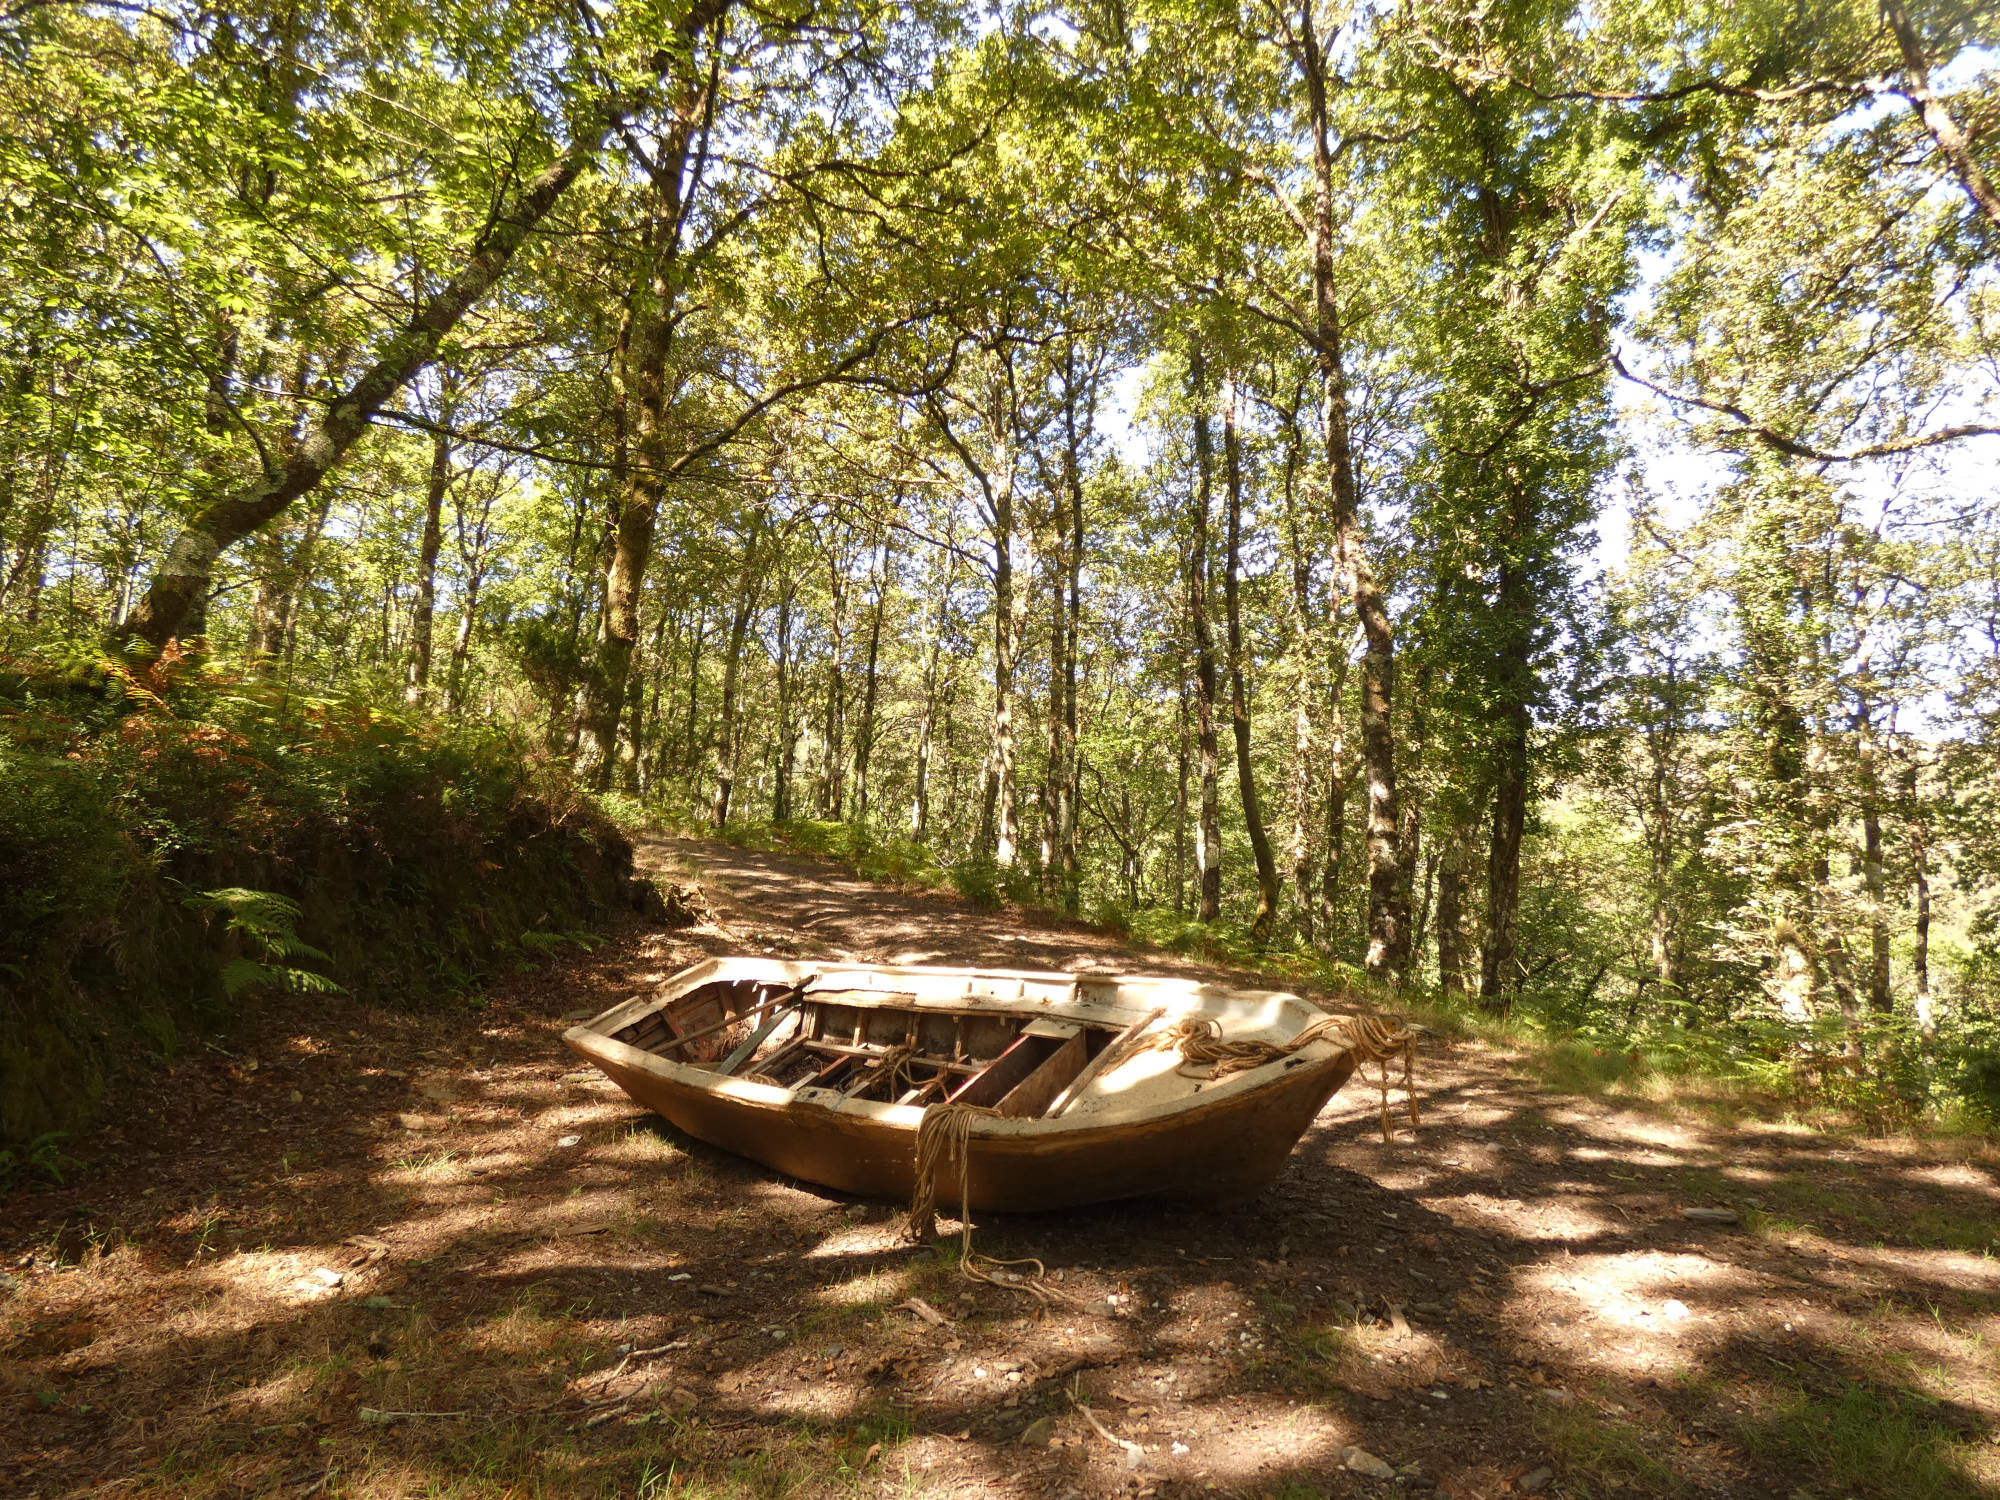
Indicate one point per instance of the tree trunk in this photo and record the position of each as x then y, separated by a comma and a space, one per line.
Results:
643, 395
1208, 848
687, 756
301, 573
833, 753
417, 684
1839, 967
1945, 132
864, 732
726, 734
1920, 953
1005, 817
1500, 969
726, 749
920, 798
1268, 888
1451, 913
1339, 783
1300, 780
1181, 800
181, 583
1070, 611
1874, 878
1388, 918
21, 588
787, 737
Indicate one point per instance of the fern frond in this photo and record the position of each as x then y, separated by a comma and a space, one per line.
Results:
306, 982
291, 945
240, 974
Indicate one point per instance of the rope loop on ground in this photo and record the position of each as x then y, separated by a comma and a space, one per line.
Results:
944, 1138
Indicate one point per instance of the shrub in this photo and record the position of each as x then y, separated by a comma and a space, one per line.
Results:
175, 848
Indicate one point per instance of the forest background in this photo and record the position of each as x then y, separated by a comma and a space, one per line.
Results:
1487, 504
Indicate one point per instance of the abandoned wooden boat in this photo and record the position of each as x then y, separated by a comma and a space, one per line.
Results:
1096, 1092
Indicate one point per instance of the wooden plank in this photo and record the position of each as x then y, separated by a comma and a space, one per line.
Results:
825, 1076
992, 1084
743, 1015
756, 1039
782, 1056
1061, 1030
1028, 1098
842, 1049
1116, 1050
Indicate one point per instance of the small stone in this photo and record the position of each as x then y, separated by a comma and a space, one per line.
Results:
326, 1277
566, 1141
1534, 1482
1361, 1461
1675, 1311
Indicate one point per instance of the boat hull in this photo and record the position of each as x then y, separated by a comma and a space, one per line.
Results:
1219, 1150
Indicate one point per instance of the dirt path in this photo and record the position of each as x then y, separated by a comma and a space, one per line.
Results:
368, 1253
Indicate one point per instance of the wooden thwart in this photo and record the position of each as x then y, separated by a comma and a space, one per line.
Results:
1119, 1047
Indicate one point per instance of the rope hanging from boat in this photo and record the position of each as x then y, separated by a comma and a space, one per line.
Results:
1368, 1038
943, 1138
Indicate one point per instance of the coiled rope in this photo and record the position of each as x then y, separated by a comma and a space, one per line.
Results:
1367, 1038
943, 1137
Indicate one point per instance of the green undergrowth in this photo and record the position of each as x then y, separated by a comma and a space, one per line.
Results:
177, 846
1867, 1442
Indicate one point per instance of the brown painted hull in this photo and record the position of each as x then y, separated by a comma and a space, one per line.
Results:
1225, 1147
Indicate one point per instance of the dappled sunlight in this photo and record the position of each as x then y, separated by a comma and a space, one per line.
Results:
1624, 1157
1952, 1269
1650, 1292
1638, 1130
858, 1239
1254, 1441
1512, 1286
866, 1290
1959, 1177
1736, 1172
284, 1395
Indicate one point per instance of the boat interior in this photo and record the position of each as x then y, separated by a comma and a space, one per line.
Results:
880, 1044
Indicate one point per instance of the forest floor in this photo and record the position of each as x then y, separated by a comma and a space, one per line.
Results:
369, 1253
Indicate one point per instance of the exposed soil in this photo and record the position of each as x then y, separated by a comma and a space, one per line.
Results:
366, 1253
